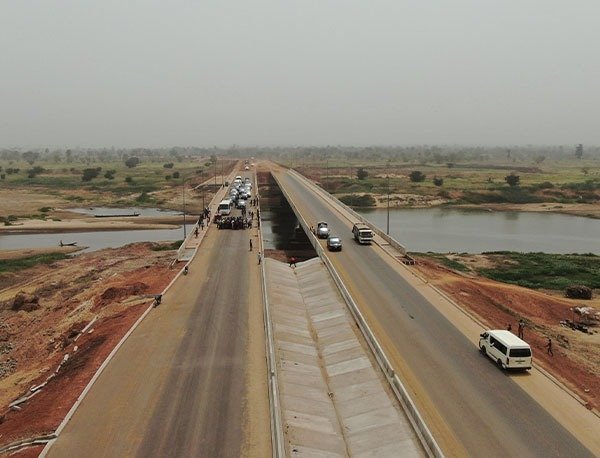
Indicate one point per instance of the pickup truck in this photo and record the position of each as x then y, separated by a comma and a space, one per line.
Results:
322, 230
362, 233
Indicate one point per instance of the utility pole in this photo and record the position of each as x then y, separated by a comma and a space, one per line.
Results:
388, 206
202, 178
183, 194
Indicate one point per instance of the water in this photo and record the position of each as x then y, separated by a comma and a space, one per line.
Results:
92, 240
446, 230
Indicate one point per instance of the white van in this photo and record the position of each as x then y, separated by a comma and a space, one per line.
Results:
224, 208
505, 349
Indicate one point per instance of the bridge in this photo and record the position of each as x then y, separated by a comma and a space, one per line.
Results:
236, 360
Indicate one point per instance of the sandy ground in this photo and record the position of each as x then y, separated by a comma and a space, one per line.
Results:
576, 360
110, 288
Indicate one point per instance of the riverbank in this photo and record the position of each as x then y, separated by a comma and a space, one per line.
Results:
407, 201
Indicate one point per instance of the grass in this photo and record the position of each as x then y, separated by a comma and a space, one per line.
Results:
445, 261
546, 271
167, 246
15, 265
535, 270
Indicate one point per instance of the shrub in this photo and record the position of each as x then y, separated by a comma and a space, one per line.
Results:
438, 181
168, 165
416, 176
578, 292
355, 200
132, 161
361, 174
512, 179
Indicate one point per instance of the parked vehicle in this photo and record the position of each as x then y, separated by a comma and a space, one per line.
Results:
322, 230
334, 243
362, 233
505, 349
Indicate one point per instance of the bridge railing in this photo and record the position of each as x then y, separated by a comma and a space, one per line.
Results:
427, 440
357, 218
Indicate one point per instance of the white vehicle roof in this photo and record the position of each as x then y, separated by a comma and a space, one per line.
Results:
507, 338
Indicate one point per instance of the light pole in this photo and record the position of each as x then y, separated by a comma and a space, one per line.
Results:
183, 195
202, 184
215, 171
327, 174
388, 206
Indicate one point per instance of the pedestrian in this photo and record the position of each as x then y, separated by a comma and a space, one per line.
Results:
549, 347
250, 244
292, 262
202, 224
521, 328
509, 327
196, 232
259, 258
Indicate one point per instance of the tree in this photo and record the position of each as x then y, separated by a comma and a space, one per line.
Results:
132, 161
30, 156
361, 174
168, 165
416, 176
512, 179
110, 174
438, 181
579, 151
90, 174
176, 175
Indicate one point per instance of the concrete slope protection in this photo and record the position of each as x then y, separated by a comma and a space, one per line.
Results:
178, 386
476, 409
334, 398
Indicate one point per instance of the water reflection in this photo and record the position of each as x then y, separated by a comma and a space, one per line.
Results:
452, 230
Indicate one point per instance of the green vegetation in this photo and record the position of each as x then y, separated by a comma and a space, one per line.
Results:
359, 201
167, 246
534, 270
445, 261
15, 265
548, 271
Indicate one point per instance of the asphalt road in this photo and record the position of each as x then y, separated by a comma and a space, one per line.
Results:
177, 386
480, 406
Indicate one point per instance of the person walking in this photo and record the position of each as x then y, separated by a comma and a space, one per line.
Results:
259, 258
250, 244
549, 347
196, 232
508, 327
292, 262
521, 328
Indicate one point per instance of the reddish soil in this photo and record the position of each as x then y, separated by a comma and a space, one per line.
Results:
576, 360
111, 286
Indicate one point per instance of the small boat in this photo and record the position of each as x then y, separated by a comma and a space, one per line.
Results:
118, 216
67, 244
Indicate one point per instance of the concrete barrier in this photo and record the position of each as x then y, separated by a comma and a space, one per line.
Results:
277, 438
427, 439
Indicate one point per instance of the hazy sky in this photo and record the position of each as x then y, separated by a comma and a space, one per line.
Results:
299, 72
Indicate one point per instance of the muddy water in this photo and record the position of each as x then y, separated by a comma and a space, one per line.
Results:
446, 230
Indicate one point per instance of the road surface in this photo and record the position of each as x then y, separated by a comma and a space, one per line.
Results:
471, 406
191, 379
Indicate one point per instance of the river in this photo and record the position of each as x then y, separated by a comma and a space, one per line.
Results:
100, 239
445, 230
